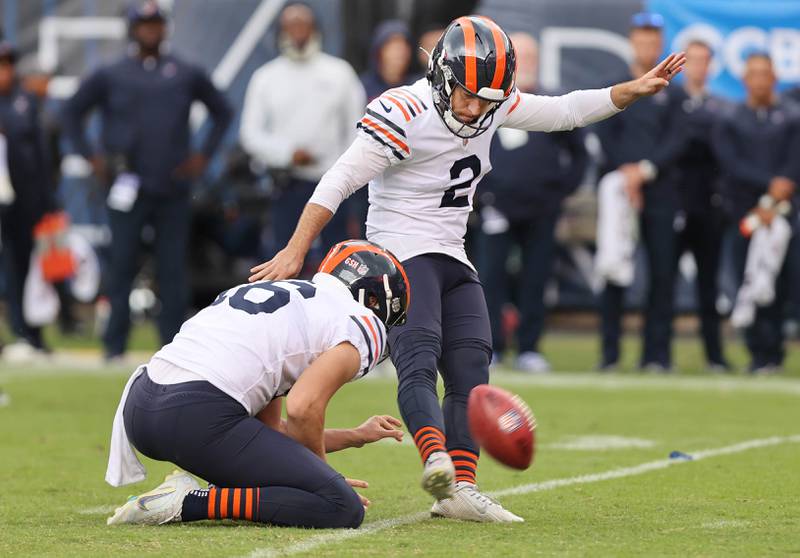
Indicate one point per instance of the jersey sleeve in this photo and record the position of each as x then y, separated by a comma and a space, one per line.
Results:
543, 113
368, 335
385, 122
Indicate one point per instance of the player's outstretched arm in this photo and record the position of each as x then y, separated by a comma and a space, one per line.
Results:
623, 94
288, 262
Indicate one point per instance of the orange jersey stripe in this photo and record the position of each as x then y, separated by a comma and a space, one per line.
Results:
223, 503
471, 65
500, 49
375, 126
408, 97
248, 505
237, 502
374, 335
398, 104
212, 503
514, 106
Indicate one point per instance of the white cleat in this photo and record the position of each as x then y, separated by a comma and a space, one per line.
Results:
438, 477
468, 504
161, 505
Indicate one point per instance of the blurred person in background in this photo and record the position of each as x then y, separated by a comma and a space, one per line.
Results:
26, 194
299, 115
425, 45
700, 219
757, 144
793, 258
389, 59
532, 173
145, 157
389, 66
633, 143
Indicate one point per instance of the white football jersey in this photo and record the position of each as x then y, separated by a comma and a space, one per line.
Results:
255, 340
421, 202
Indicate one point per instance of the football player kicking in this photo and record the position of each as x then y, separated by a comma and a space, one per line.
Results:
423, 149
210, 401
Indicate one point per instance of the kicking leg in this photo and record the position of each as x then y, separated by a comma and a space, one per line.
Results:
415, 349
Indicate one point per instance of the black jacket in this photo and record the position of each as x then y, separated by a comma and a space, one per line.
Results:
752, 147
646, 130
695, 162
27, 164
145, 107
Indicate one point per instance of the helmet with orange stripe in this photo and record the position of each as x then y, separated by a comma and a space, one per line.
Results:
473, 53
374, 276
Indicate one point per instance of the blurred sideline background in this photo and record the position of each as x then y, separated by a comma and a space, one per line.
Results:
582, 44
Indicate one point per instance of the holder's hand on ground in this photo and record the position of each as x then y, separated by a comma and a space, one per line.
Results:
355, 483
286, 264
380, 427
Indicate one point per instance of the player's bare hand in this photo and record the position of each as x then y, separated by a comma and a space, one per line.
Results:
659, 77
286, 264
380, 427
623, 94
781, 188
355, 483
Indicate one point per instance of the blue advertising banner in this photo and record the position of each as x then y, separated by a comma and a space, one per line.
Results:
735, 28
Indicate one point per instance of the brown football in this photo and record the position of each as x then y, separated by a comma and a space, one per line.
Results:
503, 425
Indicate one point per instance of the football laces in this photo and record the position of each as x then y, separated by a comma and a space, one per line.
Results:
526, 411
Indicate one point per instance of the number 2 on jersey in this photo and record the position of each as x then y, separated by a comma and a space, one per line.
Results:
280, 296
453, 198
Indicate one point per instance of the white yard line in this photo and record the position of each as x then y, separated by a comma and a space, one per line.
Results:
370, 528
89, 364
625, 382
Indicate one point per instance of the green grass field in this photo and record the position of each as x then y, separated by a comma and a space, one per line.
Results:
743, 500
